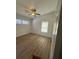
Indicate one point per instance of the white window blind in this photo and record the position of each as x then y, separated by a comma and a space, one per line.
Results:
19, 21
44, 27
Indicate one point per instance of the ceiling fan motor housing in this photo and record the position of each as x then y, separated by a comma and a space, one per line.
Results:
33, 10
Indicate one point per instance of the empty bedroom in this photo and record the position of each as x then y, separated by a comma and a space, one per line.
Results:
36, 28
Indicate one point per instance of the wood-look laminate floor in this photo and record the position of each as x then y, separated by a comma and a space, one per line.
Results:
32, 44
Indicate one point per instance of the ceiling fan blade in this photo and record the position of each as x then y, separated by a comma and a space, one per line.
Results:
37, 14
27, 10
29, 14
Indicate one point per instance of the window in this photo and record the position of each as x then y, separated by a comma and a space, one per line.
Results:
25, 22
44, 26
19, 21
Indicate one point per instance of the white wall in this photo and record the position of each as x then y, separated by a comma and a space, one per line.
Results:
23, 29
36, 24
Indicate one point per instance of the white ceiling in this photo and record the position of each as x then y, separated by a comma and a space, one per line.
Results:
42, 6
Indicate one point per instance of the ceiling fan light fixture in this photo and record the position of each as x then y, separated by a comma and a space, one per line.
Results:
33, 14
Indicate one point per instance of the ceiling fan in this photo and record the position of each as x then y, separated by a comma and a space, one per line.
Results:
32, 11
